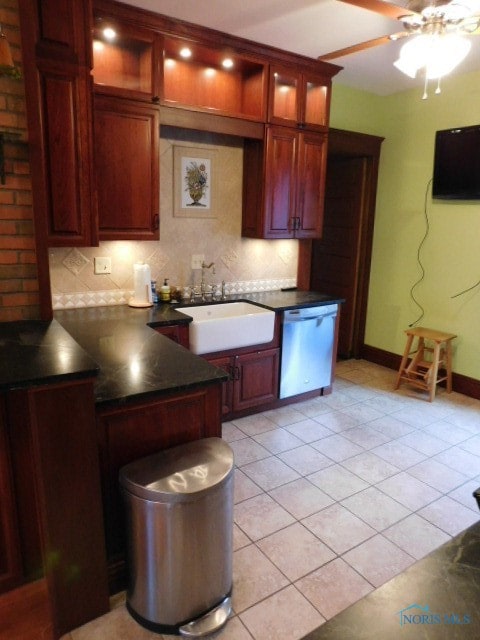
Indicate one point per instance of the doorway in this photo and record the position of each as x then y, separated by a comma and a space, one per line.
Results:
339, 263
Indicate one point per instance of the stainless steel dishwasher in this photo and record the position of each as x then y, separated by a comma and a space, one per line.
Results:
307, 349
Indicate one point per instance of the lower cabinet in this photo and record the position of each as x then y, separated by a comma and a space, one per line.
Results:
10, 562
129, 432
253, 379
176, 332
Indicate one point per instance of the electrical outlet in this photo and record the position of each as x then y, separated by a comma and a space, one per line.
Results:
197, 260
102, 265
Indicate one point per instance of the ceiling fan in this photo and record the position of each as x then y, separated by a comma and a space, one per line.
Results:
438, 27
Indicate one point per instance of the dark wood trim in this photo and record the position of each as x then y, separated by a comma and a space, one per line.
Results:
201, 121
25, 613
351, 144
460, 383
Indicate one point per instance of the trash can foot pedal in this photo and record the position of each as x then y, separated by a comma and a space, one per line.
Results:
210, 622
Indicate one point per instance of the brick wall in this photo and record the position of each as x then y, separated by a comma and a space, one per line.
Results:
19, 295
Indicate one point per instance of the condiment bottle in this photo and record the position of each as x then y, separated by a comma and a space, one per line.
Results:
165, 291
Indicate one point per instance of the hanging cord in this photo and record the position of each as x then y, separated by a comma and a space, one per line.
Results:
419, 260
466, 290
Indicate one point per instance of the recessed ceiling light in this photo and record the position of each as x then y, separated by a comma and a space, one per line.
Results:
169, 63
185, 52
209, 72
227, 63
97, 45
109, 33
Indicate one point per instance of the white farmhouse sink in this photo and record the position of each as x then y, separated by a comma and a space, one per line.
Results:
228, 325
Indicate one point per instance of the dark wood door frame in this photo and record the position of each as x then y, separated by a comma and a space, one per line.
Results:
350, 144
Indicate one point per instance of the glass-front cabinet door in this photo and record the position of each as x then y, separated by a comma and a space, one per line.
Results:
298, 99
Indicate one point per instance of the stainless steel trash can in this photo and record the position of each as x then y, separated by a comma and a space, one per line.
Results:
179, 518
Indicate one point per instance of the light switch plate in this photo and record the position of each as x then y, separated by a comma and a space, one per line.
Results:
197, 260
102, 265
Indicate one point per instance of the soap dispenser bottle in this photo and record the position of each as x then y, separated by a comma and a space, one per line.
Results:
165, 291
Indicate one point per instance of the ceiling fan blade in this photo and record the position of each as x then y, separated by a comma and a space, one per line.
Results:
361, 46
386, 9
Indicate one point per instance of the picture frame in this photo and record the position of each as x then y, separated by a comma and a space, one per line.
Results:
194, 182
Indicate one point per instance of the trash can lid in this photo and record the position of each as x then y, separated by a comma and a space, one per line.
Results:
175, 474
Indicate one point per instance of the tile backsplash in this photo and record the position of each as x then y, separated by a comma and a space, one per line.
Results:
244, 264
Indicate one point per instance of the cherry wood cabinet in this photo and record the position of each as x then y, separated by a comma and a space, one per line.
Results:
300, 99
253, 379
288, 202
176, 332
57, 61
213, 78
10, 557
127, 168
126, 59
132, 431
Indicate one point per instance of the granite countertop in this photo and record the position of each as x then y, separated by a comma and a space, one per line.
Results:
134, 360
34, 353
437, 598
118, 345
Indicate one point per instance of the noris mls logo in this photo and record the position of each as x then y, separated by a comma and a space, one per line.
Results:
416, 614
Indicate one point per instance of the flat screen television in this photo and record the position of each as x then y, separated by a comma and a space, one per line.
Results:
456, 168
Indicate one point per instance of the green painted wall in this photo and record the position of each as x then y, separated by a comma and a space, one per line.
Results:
450, 252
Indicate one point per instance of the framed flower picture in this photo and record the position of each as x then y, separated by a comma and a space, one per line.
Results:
194, 182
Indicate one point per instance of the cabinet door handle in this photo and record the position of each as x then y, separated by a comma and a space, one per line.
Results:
237, 373
155, 99
156, 221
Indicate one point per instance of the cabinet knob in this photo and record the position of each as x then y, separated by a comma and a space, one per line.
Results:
155, 99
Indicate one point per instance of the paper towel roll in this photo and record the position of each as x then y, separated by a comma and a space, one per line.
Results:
142, 290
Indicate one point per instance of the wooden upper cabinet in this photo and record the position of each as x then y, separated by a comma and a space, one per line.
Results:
215, 79
288, 202
125, 59
57, 61
127, 168
298, 98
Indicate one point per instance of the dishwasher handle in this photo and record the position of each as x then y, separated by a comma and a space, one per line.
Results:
299, 318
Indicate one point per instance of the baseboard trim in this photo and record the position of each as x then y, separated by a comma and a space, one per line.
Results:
460, 383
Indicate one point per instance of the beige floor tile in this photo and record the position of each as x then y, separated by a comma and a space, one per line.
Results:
116, 625
239, 538
230, 432
449, 515
301, 498
398, 454
337, 447
378, 560
424, 442
460, 460
464, 494
313, 408
370, 467
392, 427
295, 551
365, 436
284, 616
278, 440
472, 445
254, 424
270, 473
309, 429
363, 412
333, 587
409, 491
260, 516
244, 488
338, 528
375, 508
437, 475
247, 450
284, 415
233, 630
305, 459
254, 578
337, 421
451, 434
416, 536
338, 482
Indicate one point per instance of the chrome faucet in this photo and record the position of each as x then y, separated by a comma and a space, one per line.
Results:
205, 266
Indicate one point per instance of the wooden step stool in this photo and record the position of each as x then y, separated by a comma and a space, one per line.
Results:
422, 373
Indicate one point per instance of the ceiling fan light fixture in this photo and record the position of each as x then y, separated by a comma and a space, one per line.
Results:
439, 54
